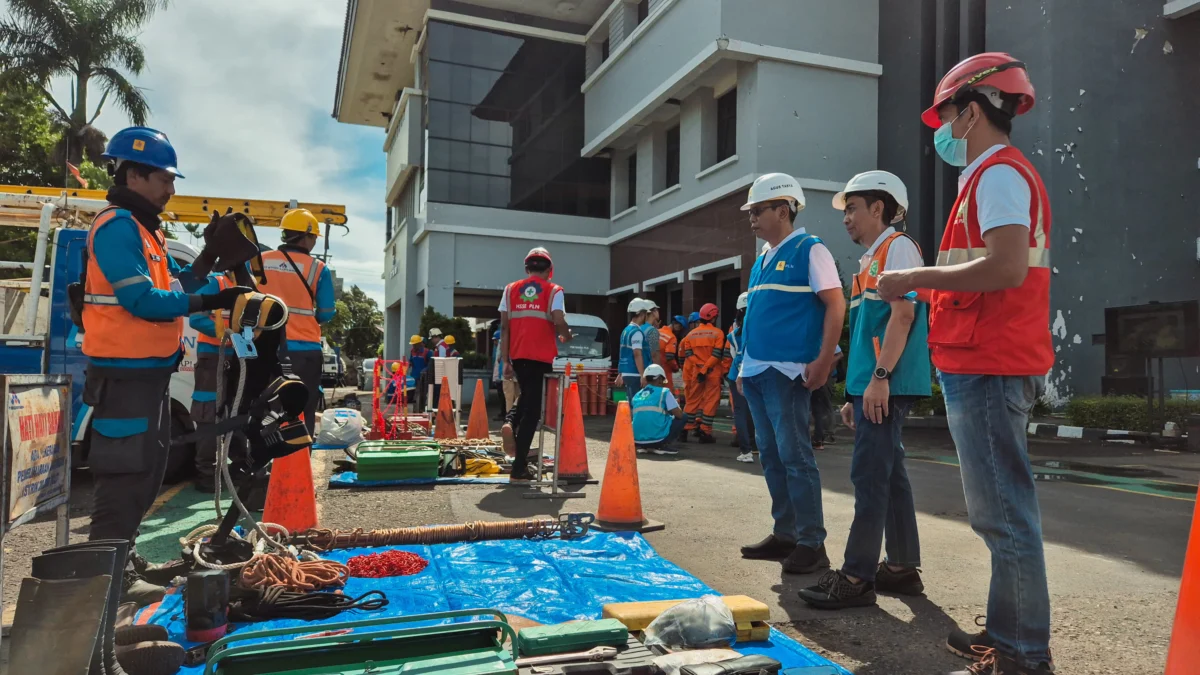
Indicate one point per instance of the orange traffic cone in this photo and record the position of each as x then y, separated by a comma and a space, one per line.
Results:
1184, 652
446, 428
477, 425
291, 500
620, 496
572, 450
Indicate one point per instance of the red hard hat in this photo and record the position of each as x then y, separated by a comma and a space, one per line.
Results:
709, 312
538, 252
991, 69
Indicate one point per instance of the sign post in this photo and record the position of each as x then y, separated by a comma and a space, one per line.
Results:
35, 453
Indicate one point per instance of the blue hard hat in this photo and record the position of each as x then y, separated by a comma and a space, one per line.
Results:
694, 317
681, 320
496, 335
144, 146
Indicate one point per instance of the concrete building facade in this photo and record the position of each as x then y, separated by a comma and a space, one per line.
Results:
622, 135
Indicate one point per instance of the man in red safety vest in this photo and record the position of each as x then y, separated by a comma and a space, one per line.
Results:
989, 338
532, 323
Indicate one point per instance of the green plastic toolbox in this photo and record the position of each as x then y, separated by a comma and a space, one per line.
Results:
462, 648
576, 636
398, 464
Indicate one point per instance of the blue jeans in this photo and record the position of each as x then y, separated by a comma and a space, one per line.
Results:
743, 420
883, 497
780, 408
988, 416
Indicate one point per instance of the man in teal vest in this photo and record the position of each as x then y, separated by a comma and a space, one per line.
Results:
657, 417
794, 318
887, 371
634, 356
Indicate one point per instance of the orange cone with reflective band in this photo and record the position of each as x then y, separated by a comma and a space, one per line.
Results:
446, 428
291, 499
572, 451
1184, 653
477, 425
620, 495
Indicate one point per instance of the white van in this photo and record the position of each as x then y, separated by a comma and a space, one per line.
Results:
589, 348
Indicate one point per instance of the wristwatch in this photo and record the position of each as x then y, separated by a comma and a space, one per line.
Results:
882, 373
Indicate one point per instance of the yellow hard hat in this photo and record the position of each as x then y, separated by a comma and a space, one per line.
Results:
415, 340
449, 339
395, 367
301, 220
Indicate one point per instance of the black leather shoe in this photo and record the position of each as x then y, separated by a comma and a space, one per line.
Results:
806, 560
771, 548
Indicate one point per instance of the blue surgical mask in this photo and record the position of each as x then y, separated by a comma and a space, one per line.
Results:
952, 150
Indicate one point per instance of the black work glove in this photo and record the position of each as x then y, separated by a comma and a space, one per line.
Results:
700, 376
223, 299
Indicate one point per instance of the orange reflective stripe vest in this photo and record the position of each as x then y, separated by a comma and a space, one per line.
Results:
284, 283
109, 330
1001, 332
220, 316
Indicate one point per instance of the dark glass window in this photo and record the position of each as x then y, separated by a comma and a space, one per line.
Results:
604, 50
727, 125
631, 181
643, 10
672, 157
505, 124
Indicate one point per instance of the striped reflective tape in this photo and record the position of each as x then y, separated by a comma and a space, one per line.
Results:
530, 314
1038, 257
93, 299
129, 281
781, 287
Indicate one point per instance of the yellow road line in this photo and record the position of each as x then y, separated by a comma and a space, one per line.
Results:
165, 497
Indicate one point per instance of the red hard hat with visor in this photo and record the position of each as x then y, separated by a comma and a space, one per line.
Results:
997, 70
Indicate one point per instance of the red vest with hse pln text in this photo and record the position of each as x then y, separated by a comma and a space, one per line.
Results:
1000, 332
531, 332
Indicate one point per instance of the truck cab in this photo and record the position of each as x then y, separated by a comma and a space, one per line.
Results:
588, 350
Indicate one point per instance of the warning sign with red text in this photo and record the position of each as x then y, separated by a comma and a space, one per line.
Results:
37, 430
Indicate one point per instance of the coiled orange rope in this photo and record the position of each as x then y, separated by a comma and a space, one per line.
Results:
271, 569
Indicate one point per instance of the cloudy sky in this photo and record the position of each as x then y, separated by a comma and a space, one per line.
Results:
245, 92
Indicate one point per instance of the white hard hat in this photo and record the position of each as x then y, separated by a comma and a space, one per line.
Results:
654, 370
636, 306
882, 181
649, 304
435, 332
772, 186
743, 300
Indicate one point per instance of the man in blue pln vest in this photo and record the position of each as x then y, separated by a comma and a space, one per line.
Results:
794, 317
634, 356
657, 416
887, 372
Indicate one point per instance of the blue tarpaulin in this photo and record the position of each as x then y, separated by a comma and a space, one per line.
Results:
350, 479
548, 581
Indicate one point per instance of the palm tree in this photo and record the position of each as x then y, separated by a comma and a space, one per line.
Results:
89, 41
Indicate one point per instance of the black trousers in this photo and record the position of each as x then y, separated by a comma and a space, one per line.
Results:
131, 435
526, 415
306, 364
822, 412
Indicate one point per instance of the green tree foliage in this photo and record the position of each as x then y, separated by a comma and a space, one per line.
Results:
90, 42
96, 176
356, 327
457, 326
27, 138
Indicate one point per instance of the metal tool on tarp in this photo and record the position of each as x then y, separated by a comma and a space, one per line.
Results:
594, 654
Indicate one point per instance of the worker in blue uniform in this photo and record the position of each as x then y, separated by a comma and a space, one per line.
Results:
133, 327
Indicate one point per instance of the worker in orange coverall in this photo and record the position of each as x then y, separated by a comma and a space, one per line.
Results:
668, 355
703, 351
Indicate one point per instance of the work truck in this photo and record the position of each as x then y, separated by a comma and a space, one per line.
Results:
36, 331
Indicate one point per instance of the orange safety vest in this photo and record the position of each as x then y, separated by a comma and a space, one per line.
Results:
219, 316
703, 349
1000, 332
531, 332
294, 289
110, 331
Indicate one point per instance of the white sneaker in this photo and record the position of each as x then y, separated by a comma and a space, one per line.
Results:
668, 451
745, 457
641, 450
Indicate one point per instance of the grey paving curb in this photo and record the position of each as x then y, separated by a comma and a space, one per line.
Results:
1043, 430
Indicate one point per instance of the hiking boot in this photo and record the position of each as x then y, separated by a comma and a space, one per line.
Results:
205, 484
836, 591
970, 645
160, 574
746, 457
806, 560
992, 662
508, 440
137, 590
704, 438
771, 548
150, 657
905, 582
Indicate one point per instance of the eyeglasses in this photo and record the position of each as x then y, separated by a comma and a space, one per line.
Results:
759, 209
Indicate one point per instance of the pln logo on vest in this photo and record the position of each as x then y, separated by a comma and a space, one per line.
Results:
781, 266
530, 292
874, 271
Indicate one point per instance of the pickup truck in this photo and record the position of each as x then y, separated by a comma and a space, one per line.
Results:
58, 349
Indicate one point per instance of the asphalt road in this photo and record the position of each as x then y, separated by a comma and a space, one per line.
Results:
1115, 544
